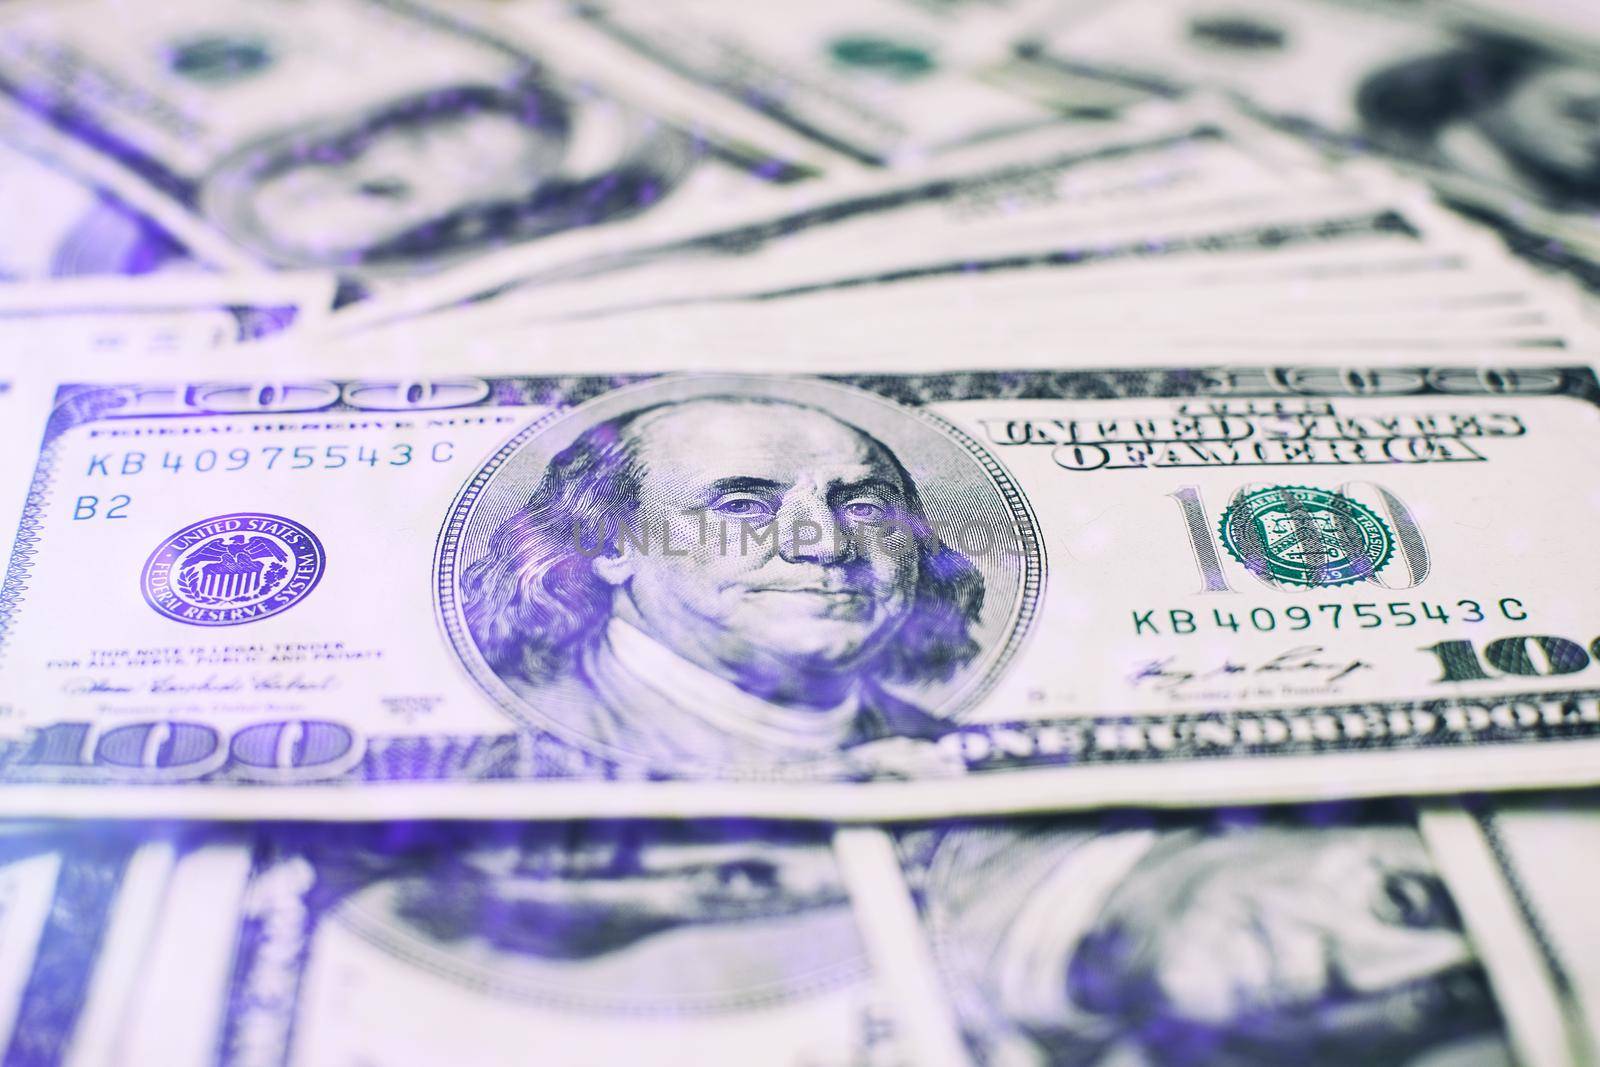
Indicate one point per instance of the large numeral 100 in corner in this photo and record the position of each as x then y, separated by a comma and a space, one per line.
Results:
287, 750
1529, 656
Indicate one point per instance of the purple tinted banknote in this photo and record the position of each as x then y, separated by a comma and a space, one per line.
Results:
1373, 933
854, 597
381, 170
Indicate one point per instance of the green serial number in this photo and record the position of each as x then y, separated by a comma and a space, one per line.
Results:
1396, 614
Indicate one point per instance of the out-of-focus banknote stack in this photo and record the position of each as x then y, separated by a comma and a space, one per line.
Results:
867, 533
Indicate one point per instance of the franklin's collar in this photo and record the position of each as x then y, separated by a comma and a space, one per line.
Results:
636, 674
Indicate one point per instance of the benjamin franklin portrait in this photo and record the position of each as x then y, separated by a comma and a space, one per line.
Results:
598, 917
1244, 946
1496, 109
440, 174
744, 573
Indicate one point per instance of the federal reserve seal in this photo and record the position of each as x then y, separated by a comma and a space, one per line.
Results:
233, 569
1298, 535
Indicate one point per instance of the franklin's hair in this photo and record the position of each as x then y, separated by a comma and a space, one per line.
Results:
1118, 976
1404, 106
549, 203
534, 602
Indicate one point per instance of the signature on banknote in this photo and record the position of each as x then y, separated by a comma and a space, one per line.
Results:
1311, 662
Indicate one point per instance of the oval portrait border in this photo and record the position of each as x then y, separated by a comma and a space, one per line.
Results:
1017, 624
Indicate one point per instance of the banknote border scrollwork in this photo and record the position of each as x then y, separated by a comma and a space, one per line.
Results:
52, 1001
1559, 975
75, 405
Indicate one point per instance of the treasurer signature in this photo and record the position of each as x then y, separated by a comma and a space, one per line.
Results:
211, 684
1301, 661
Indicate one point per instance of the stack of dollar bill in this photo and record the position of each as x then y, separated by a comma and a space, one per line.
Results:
866, 533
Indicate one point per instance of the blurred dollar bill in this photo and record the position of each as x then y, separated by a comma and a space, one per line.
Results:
76, 912
72, 225
883, 214
854, 596
288, 136
1525, 865
1329, 936
1501, 123
1336, 934
94, 321
1176, 206
877, 82
585, 943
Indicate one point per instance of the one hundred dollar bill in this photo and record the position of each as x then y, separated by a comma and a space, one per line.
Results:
1321, 937
876, 82
658, 944
854, 596
1336, 934
1524, 865
1055, 199
1185, 215
76, 914
73, 225
1325, 292
286, 135
1502, 123
93, 322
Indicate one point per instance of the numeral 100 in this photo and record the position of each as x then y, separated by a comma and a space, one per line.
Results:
1201, 528
303, 748
1532, 656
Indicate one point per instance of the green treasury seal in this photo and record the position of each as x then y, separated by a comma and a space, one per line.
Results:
1298, 535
